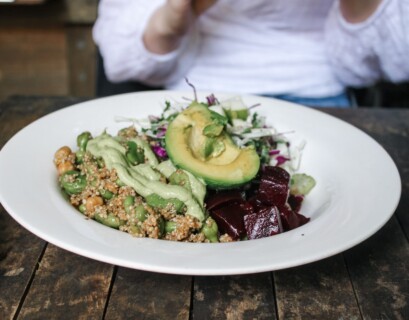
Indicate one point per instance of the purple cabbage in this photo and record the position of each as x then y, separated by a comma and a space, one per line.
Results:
273, 152
212, 100
160, 151
281, 160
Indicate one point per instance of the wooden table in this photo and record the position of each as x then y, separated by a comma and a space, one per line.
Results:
370, 281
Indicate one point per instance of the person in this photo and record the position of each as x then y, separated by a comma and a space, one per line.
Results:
303, 51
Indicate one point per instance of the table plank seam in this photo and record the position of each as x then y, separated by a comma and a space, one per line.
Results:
352, 285
192, 297
401, 225
111, 285
274, 289
30, 282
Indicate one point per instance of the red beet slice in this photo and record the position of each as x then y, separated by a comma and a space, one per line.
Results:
229, 218
256, 203
221, 198
276, 173
268, 210
291, 219
295, 202
274, 186
264, 223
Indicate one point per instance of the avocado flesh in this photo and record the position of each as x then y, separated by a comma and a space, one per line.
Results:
224, 165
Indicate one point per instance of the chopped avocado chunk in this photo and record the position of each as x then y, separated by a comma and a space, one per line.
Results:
214, 147
218, 118
301, 184
213, 130
215, 159
236, 114
216, 126
235, 108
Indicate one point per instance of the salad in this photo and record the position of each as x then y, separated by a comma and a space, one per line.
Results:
211, 171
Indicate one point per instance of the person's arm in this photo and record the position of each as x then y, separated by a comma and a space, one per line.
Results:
170, 22
368, 44
118, 33
355, 11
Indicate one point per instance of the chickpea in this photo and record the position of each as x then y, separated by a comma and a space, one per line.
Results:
62, 155
110, 186
92, 203
64, 167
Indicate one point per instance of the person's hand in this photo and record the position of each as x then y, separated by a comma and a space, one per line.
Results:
358, 11
175, 16
178, 14
200, 6
171, 21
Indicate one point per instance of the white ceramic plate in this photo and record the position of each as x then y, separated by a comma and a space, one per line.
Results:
358, 189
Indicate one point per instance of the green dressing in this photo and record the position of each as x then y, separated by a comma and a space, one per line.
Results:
139, 179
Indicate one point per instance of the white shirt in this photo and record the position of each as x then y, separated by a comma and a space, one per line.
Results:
298, 47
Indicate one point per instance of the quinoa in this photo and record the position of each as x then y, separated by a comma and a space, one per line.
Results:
104, 197
184, 227
151, 226
225, 238
129, 132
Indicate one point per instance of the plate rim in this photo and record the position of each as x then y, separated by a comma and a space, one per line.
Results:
182, 270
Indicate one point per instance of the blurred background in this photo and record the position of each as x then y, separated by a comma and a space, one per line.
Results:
46, 48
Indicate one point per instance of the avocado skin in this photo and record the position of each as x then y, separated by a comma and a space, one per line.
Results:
230, 169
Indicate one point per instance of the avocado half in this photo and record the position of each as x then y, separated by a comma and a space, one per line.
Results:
194, 142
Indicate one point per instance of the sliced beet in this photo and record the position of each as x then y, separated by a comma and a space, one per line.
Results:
252, 188
274, 186
229, 218
268, 210
256, 203
264, 223
291, 219
295, 202
222, 198
276, 173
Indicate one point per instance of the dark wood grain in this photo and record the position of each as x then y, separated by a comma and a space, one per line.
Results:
19, 254
19, 111
67, 286
234, 297
379, 269
20, 250
320, 290
144, 295
369, 281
